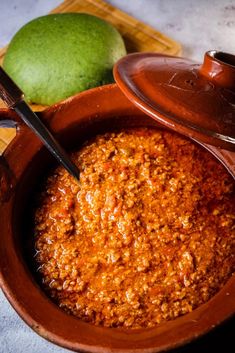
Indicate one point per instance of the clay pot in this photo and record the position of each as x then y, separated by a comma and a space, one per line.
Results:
21, 169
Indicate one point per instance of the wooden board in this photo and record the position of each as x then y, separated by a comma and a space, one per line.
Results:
137, 36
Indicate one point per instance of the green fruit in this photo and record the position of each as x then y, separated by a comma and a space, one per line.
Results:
56, 56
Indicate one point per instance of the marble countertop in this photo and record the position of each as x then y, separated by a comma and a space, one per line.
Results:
199, 25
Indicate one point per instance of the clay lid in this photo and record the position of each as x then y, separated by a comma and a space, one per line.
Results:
195, 100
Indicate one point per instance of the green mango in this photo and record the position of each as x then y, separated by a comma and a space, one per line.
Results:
55, 56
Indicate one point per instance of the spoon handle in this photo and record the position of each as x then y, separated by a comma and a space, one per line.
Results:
10, 93
14, 98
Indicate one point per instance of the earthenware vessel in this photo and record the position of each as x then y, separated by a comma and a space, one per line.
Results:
25, 162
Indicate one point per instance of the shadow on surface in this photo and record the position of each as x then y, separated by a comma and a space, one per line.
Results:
221, 340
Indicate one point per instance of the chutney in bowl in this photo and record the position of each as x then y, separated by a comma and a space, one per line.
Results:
76, 121
146, 236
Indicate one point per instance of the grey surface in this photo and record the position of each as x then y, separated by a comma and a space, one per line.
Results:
199, 25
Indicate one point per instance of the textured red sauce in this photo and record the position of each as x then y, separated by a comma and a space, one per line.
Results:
146, 236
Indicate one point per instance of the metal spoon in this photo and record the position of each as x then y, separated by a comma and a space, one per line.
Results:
14, 98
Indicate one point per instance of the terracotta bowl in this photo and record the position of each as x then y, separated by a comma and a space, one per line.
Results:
21, 168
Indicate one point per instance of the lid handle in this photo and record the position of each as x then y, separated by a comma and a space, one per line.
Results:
219, 67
